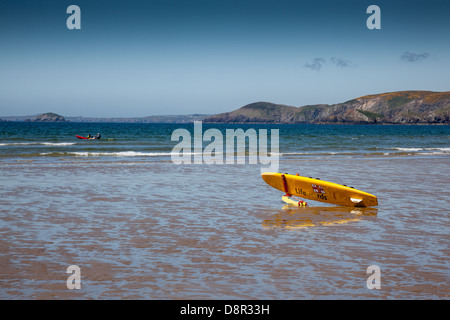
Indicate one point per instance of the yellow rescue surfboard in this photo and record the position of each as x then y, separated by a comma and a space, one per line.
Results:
319, 190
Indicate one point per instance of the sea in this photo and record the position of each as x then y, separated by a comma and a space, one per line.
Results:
118, 218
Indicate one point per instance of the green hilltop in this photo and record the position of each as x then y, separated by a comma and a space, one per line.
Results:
402, 107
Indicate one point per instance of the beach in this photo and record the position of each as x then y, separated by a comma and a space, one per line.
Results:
141, 228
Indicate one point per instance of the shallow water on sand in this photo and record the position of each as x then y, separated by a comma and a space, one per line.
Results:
156, 230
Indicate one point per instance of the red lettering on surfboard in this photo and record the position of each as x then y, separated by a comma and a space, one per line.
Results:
318, 189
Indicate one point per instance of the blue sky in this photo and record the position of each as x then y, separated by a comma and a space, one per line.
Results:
140, 58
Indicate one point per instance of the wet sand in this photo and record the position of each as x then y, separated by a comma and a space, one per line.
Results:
141, 230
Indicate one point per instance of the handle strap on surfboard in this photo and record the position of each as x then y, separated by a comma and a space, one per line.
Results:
285, 186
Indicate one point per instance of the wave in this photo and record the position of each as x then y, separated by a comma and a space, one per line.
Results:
113, 154
318, 153
435, 150
110, 154
51, 144
374, 152
130, 153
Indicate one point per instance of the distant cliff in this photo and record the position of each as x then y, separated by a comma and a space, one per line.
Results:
53, 117
49, 117
403, 107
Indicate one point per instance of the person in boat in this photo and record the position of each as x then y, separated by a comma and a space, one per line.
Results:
98, 136
89, 136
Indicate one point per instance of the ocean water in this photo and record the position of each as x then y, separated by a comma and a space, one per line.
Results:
152, 142
140, 226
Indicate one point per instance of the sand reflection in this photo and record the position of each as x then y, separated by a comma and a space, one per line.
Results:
304, 217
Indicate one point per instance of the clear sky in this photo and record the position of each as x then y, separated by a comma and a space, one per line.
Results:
140, 58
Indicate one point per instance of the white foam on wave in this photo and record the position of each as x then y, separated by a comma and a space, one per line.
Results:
113, 154
408, 149
442, 150
120, 154
51, 144
58, 144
